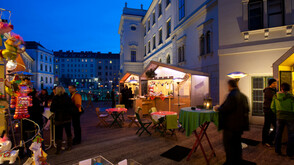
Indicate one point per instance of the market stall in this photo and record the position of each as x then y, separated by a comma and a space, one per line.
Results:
169, 87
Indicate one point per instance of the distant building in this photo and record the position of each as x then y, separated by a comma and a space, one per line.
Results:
42, 67
87, 70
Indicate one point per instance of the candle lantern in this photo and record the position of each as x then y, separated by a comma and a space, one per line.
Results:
207, 104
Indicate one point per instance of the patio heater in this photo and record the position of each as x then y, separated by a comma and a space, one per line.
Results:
178, 80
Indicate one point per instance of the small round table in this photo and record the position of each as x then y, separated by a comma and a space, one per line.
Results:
115, 113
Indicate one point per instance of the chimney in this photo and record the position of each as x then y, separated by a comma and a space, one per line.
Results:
126, 5
141, 6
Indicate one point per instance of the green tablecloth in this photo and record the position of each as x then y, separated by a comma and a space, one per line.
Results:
192, 119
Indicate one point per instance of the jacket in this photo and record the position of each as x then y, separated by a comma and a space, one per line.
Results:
62, 108
283, 106
268, 94
35, 111
234, 112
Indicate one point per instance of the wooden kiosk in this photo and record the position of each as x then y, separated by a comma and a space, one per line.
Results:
172, 87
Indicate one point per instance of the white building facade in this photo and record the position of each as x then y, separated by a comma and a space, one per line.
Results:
256, 37
42, 67
176, 32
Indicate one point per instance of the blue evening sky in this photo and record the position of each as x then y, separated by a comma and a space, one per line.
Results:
79, 25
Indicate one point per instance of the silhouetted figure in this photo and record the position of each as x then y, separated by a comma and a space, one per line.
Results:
269, 117
113, 98
234, 120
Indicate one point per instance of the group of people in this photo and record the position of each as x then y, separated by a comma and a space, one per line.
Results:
67, 111
126, 94
278, 113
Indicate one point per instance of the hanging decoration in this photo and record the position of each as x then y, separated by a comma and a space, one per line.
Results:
14, 45
6, 154
5, 27
39, 157
21, 102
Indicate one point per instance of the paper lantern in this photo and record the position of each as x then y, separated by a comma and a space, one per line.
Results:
21, 102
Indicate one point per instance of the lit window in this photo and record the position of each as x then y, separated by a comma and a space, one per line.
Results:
67, 60
86, 60
110, 62
82, 60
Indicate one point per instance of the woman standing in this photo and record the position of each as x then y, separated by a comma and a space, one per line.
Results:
62, 107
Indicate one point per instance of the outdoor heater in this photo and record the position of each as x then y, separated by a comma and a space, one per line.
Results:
178, 80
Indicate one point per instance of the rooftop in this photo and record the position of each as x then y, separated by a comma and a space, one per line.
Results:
86, 54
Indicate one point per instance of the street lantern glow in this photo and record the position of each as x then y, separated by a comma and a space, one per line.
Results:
133, 81
237, 75
11, 65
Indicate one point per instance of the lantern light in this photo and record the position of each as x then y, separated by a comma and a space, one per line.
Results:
237, 75
178, 80
11, 65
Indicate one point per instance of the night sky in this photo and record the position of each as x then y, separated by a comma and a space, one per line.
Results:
79, 25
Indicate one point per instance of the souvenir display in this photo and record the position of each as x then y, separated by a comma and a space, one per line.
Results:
5, 151
21, 102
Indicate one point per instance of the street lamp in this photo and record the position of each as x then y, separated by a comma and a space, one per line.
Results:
178, 80
237, 75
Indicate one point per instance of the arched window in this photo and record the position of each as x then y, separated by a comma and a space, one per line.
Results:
159, 60
180, 54
255, 14
168, 59
275, 12
202, 45
208, 44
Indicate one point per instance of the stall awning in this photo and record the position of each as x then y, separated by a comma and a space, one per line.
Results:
155, 65
127, 75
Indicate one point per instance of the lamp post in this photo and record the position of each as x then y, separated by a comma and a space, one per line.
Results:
178, 80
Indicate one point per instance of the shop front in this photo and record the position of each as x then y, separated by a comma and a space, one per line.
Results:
284, 68
168, 88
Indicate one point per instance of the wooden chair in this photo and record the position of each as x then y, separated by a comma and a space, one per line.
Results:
133, 119
144, 125
101, 117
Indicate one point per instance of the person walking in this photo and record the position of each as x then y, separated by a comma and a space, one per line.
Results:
283, 106
61, 106
113, 98
234, 120
269, 117
76, 123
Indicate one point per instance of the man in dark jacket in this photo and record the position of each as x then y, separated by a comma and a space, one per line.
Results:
234, 120
269, 116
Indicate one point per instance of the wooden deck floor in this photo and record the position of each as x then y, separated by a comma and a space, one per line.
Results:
116, 144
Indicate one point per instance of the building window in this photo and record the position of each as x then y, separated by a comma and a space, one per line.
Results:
86, 60
67, 60
41, 67
181, 54
46, 79
46, 58
50, 79
159, 60
148, 24
167, 3
149, 47
144, 30
50, 69
154, 42
62, 60
106, 67
99, 67
255, 14
168, 28
258, 84
153, 18
41, 57
202, 45
62, 65
41, 79
133, 56
56, 66
110, 62
168, 59
50, 59
145, 50
181, 9
92, 65
208, 44
275, 13
160, 36
159, 9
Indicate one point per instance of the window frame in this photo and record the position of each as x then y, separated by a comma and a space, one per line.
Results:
261, 16
160, 41
168, 28
133, 56
282, 12
181, 9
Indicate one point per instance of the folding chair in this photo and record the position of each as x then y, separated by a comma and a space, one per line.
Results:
144, 125
101, 118
121, 106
